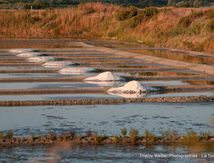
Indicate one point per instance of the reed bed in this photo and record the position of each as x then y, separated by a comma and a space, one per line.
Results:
148, 139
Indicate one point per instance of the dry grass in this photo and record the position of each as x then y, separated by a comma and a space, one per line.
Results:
183, 28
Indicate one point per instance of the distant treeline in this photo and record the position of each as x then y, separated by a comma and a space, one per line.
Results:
40, 4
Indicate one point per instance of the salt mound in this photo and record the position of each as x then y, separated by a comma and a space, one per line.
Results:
76, 70
29, 54
130, 87
40, 59
21, 50
57, 64
105, 76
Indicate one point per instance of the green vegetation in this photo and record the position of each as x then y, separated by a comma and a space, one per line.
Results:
124, 132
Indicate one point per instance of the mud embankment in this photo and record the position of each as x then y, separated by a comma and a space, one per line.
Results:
108, 101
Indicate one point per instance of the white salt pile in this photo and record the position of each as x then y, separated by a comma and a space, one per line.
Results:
129, 88
29, 54
76, 70
57, 64
40, 59
21, 50
105, 76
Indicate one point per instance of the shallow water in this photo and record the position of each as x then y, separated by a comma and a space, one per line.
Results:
30, 75
53, 97
108, 119
28, 85
22, 68
39, 75
176, 55
177, 94
104, 154
165, 83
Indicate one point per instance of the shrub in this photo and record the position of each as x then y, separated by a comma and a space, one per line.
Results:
126, 13
144, 15
97, 139
38, 4
135, 21
9, 134
133, 135
35, 19
89, 133
88, 11
190, 138
196, 28
51, 135
150, 12
209, 13
210, 26
185, 22
123, 132
197, 14
149, 137
170, 136
115, 139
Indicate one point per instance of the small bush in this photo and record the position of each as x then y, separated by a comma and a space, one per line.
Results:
150, 12
126, 13
38, 4
124, 132
35, 19
185, 22
209, 14
210, 26
197, 14
149, 137
97, 139
89, 133
170, 136
89, 11
9, 134
133, 135
196, 28
144, 15
115, 139
51, 135
134, 22
191, 138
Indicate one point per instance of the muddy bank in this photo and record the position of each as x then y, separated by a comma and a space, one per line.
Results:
28, 71
61, 79
53, 91
107, 101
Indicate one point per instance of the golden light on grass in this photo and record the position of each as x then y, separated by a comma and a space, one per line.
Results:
99, 21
